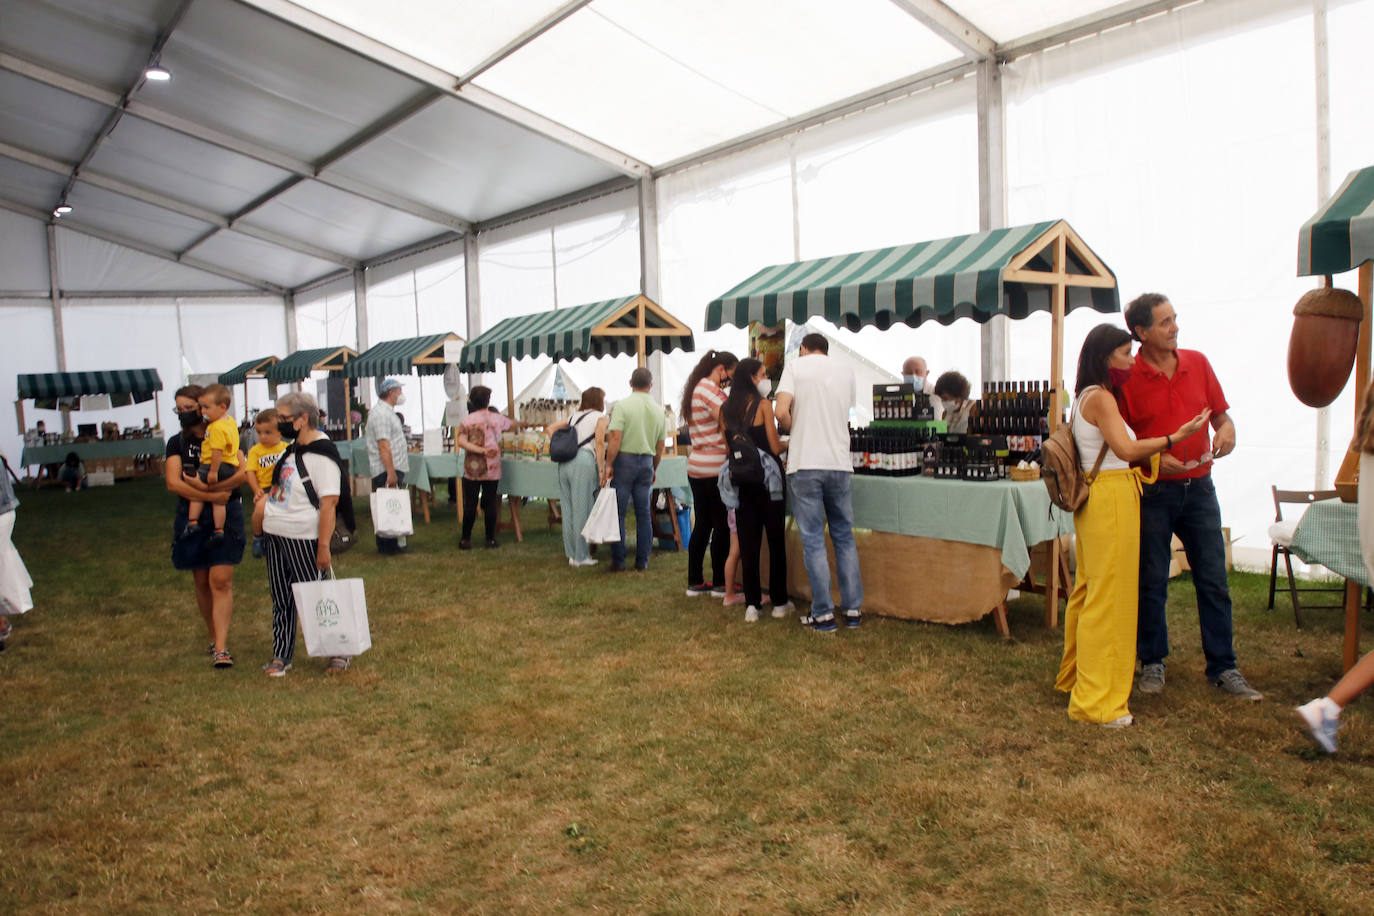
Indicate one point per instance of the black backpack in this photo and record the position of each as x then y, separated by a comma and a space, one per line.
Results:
746, 465
563, 444
345, 525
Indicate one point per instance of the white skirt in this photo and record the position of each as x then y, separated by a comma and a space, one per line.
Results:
14, 577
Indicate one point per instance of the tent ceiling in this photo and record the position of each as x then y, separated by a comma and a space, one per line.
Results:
338, 131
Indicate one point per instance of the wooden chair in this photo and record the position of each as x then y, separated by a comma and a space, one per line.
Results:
1281, 533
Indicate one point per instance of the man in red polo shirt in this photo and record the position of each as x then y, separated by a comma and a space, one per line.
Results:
1167, 387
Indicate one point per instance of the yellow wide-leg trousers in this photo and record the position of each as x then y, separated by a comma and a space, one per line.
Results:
1100, 622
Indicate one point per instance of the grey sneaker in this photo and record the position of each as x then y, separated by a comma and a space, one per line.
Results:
1151, 678
1233, 682
1320, 724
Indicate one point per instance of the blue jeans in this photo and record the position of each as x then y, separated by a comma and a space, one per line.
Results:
1189, 509
633, 478
819, 497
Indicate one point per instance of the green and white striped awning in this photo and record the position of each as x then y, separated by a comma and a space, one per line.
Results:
300, 364
943, 280
581, 332
70, 384
400, 357
254, 367
1340, 236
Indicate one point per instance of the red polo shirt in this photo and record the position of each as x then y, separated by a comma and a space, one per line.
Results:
1155, 405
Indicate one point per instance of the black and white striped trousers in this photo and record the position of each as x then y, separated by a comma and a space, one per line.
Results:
289, 560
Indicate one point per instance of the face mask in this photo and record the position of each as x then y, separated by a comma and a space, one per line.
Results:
765, 386
189, 419
913, 380
287, 428
401, 400
1119, 377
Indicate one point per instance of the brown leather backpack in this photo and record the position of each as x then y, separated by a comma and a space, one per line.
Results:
1061, 470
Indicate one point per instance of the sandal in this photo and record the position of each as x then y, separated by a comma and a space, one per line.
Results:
276, 668
224, 659
336, 664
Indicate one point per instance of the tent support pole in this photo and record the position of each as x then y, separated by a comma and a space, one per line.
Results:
58, 337
472, 288
510, 392
995, 335
348, 409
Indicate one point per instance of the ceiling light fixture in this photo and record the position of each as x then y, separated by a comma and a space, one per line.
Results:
61, 211
157, 73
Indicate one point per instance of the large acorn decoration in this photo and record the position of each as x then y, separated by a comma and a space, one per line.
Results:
1321, 349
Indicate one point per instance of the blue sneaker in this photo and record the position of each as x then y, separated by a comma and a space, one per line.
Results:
853, 618
823, 624
1320, 723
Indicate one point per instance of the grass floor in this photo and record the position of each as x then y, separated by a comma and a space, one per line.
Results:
529, 738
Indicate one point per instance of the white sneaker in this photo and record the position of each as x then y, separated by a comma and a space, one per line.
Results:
782, 610
1321, 723
572, 562
590, 561
1120, 723
751, 614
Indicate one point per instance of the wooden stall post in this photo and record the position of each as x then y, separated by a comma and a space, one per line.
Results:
1060, 295
510, 392
19, 413
348, 413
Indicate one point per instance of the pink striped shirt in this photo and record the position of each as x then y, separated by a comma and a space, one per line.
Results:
708, 441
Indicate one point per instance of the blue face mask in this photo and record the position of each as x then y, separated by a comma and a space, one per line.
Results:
913, 380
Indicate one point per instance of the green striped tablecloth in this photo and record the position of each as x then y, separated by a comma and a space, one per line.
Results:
1329, 535
1011, 516
91, 451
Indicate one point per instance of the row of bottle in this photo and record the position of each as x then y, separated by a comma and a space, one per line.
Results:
912, 452
1017, 410
546, 411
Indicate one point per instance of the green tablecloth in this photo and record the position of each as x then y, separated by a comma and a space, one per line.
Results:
1329, 535
1010, 515
534, 479
90, 451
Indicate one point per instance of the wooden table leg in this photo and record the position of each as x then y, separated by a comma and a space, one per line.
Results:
514, 503
1052, 586
425, 499
999, 616
1351, 651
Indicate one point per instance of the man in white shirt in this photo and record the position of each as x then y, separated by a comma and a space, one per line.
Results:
815, 396
388, 457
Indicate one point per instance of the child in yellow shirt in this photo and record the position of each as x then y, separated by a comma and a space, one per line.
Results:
220, 448
262, 459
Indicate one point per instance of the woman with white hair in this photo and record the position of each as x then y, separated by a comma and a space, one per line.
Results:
297, 517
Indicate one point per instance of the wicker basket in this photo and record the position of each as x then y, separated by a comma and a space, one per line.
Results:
1023, 473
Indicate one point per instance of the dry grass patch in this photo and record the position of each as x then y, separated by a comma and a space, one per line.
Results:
526, 738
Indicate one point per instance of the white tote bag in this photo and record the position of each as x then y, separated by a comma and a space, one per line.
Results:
391, 513
333, 616
603, 524
15, 583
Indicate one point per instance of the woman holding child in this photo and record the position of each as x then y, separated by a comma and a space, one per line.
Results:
211, 565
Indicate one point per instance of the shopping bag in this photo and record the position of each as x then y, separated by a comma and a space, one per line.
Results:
15, 582
391, 513
603, 524
333, 616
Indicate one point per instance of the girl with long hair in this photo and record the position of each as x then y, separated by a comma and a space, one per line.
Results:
702, 398
761, 511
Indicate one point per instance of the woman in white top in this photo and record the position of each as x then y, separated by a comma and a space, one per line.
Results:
298, 528
578, 479
1100, 622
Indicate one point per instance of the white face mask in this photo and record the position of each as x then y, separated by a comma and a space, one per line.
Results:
765, 386
401, 400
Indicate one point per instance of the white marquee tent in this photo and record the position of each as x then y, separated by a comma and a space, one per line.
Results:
337, 172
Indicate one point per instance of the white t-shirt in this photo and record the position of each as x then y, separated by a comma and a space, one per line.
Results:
822, 392
586, 426
289, 513
1088, 438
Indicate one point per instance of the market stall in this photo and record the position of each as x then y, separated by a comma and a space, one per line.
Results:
102, 447
633, 324
301, 365
424, 355
915, 524
253, 368
1337, 239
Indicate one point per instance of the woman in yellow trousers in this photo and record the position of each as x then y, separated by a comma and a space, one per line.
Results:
1099, 625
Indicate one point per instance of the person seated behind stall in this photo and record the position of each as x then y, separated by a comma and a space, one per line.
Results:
916, 372
219, 457
73, 473
951, 393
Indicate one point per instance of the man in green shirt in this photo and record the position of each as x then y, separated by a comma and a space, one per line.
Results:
633, 451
